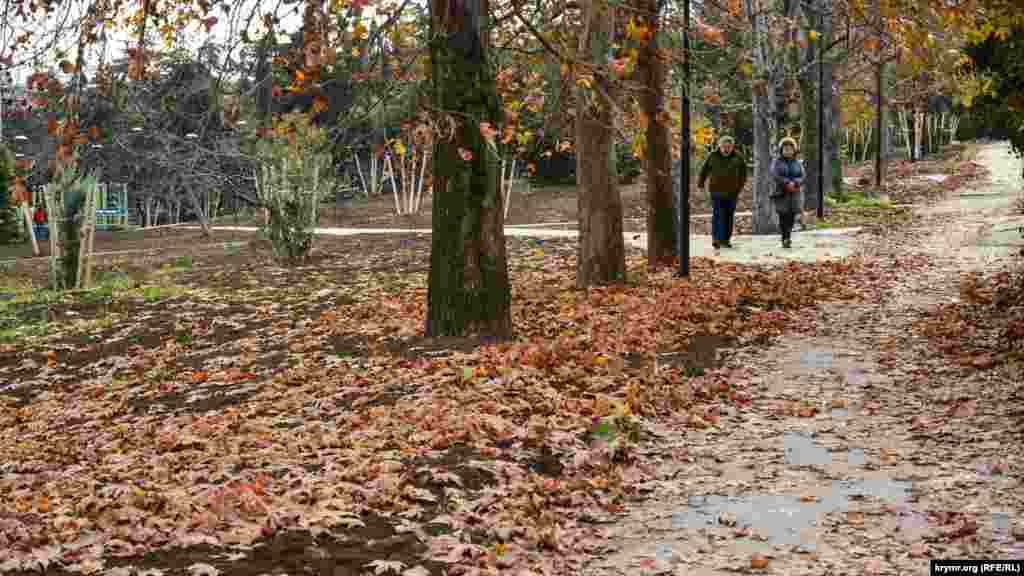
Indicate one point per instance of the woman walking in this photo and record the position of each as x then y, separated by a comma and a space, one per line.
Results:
789, 175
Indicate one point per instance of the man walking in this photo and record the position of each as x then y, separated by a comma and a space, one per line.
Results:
725, 171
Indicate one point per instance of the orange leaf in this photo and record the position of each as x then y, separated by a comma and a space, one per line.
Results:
44, 504
330, 55
51, 359
67, 67
94, 133
200, 377
758, 562
51, 126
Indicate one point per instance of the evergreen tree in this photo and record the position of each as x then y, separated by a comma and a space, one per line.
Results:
10, 227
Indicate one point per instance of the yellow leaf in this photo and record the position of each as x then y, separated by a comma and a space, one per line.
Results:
359, 32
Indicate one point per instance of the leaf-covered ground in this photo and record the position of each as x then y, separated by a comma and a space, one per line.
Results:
220, 411
204, 411
882, 432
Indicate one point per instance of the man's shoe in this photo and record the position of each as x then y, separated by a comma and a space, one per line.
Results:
727, 244
715, 245
787, 244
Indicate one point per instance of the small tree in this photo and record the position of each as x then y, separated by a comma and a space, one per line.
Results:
10, 226
71, 204
295, 175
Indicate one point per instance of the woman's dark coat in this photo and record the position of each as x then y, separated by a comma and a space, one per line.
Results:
786, 170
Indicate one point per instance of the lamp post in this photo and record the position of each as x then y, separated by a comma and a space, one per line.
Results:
683, 209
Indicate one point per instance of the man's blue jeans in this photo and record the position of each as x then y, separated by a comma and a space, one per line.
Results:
723, 212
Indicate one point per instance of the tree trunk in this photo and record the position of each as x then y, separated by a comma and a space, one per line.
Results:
601, 258
881, 122
765, 97
658, 160
468, 287
832, 108
811, 81
197, 205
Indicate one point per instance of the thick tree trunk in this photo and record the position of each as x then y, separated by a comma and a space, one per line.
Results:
881, 127
767, 73
601, 258
658, 160
468, 286
832, 135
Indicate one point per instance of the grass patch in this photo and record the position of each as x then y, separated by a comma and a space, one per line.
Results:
23, 332
158, 292
856, 200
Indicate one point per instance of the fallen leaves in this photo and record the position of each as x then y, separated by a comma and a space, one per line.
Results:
326, 435
793, 408
855, 519
983, 330
759, 561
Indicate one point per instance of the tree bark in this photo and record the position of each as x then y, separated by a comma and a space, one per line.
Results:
767, 73
468, 287
658, 160
881, 121
197, 205
601, 257
832, 108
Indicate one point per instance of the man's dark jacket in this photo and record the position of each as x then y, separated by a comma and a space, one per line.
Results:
728, 174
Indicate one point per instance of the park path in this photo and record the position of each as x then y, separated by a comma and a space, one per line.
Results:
897, 465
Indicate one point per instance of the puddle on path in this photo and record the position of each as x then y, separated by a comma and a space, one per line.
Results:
782, 518
800, 450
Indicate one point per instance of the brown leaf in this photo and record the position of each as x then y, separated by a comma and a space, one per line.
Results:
984, 361
918, 550
855, 519
758, 561
888, 456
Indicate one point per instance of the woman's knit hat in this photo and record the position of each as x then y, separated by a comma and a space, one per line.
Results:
790, 141
726, 139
